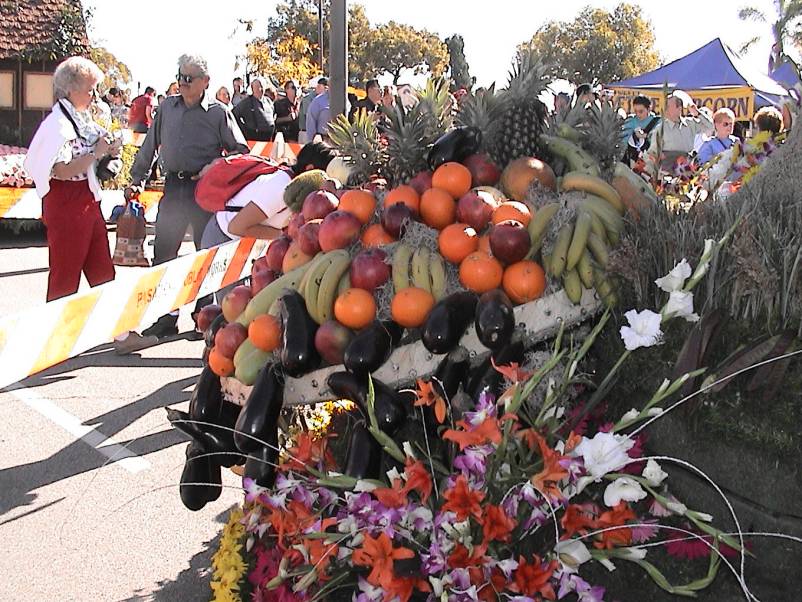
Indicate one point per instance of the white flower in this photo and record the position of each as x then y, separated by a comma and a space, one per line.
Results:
675, 279
363, 486
631, 553
643, 330
654, 412
630, 416
571, 553
408, 451
676, 507
623, 488
393, 474
653, 473
604, 453
680, 305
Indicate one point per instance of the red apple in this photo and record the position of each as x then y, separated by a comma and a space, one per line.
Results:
206, 315
394, 217
234, 302
483, 171
295, 224
229, 338
338, 230
261, 275
308, 237
369, 269
509, 241
475, 208
422, 181
276, 251
319, 204
331, 340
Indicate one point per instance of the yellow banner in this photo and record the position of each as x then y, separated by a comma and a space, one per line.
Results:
740, 100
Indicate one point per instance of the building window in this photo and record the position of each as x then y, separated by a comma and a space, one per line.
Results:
7, 90
38, 91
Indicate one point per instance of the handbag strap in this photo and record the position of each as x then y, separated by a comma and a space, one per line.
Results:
66, 114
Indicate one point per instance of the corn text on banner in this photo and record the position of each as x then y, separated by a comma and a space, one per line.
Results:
40, 337
741, 100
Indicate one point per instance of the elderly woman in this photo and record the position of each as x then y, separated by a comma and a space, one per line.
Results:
723, 122
62, 160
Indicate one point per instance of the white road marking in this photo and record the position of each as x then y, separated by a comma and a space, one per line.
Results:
72, 424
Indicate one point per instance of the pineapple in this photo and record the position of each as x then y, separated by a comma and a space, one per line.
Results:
601, 136
481, 112
523, 115
358, 143
435, 102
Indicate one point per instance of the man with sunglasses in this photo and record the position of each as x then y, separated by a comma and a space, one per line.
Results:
189, 132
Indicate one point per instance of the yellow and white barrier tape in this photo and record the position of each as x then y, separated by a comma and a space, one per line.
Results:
24, 203
38, 338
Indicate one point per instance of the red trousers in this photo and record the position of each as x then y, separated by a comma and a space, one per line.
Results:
76, 238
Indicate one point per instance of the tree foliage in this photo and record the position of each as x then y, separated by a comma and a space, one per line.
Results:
394, 47
458, 64
68, 36
598, 46
117, 73
786, 26
292, 59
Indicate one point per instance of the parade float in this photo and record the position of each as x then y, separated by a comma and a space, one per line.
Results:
502, 313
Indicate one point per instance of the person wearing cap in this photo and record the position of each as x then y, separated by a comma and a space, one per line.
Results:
319, 113
678, 132
255, 114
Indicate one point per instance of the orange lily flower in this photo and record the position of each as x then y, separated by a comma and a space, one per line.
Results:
463, 500
310, 450
427, 396
546, 480
320, 554
379, 554
486, 432
418, 479
392, 497
617, 517
402, 588
512, 371
533, 578
497, 525
577, 519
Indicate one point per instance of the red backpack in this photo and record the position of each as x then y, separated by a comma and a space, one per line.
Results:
228, 176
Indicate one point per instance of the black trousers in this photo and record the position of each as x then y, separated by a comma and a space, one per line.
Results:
177, 211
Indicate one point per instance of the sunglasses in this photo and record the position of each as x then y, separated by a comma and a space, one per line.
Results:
183, 78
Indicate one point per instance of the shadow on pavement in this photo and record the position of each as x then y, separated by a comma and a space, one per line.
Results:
22, 233
19, 482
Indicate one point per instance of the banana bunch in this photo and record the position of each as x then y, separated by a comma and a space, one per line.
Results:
420, 268
577, 158
325, 278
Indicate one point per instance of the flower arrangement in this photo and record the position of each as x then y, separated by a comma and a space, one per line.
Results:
228, 563
740, 163
506, 497
12, 172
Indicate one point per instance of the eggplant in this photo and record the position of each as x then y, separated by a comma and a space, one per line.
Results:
298, 353
207, 397
211, 332
371, 347
455, 145
452, 372
260, 465
198, 469
487, 378
495, 319
388, 405
447, 321
258, 419
213, 439
364, 454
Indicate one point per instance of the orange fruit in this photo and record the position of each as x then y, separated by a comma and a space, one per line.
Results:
512, 210
265, 332
360, 203
524, 281
220, 364
438, 208
452, 177
479, 272
457, 241
375, 236
404, 194
355, 308
410, 306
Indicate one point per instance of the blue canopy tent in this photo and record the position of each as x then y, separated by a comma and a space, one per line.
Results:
714, 76
786, 74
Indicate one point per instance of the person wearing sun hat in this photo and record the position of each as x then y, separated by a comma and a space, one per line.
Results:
678, 132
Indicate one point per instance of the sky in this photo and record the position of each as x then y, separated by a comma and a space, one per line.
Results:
149, 35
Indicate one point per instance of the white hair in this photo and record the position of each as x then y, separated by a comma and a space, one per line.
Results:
74, 72
194, 60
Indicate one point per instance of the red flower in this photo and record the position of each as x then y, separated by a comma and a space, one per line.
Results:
463, 500
497, 525
379, 554
394, 497
512, 372
546, 480
460, 558
487, 432
427, 396
310, 450
418, 479
533, 578
616, 517
489, 591
402, 588
320, 554
577, 519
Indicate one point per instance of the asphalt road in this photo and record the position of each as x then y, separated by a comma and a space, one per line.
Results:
89, 467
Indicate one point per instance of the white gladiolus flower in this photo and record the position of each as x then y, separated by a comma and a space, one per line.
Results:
643, 330
677, 507
364, 486
680, 305
632, 553
675, 279
630, 416
606, 452
624, 488
654, 412
653, 473
571, 553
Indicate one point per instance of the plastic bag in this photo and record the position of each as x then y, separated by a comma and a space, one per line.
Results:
129, 249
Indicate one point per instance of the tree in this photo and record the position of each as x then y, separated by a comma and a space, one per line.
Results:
457, 64
598, 46
293, 59
394, 47
787, 26
117, 73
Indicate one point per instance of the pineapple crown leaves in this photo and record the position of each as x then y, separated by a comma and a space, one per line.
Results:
601, 134
529, 75
358, 143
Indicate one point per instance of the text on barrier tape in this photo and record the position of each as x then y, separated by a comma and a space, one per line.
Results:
38, 338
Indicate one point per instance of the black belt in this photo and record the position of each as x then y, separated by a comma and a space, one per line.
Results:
182, 175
